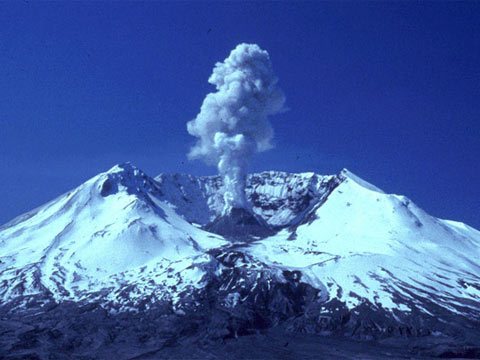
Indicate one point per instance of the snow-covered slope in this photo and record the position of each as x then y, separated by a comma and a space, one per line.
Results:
108, 232
364, 244
127, 239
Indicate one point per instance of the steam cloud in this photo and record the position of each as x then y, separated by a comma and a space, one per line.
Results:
233, 121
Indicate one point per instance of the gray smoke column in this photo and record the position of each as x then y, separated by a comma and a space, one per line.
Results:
233, 121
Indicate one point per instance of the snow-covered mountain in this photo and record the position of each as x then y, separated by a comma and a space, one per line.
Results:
339, 255
350, 238
110, 232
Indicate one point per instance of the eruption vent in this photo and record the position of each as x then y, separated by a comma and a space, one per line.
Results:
233, 121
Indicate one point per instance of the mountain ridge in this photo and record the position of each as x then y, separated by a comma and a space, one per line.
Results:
342, 258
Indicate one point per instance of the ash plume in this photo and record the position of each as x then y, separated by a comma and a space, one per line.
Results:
233, 124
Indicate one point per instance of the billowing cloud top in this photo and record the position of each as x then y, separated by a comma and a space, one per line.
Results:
233, 121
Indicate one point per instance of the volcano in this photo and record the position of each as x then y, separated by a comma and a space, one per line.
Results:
131, 266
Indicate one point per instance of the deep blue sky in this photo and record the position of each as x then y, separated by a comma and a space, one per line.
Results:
389, 90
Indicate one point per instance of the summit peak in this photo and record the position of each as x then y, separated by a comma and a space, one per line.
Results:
125, 167
128, 176
347, 174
